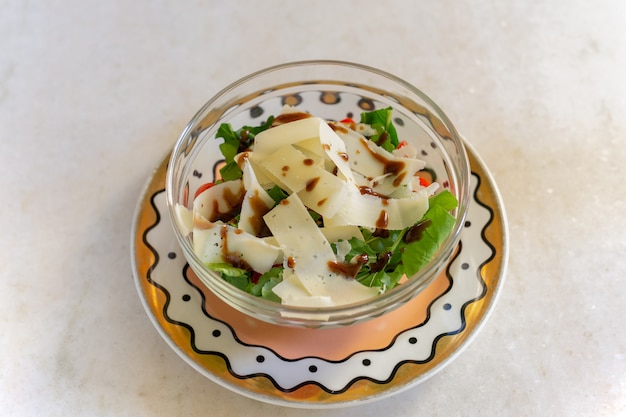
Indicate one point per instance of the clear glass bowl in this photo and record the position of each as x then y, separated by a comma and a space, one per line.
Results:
332, 90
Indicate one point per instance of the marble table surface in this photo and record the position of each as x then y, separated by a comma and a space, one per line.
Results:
93, 94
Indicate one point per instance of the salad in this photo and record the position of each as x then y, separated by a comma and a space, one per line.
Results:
316, 213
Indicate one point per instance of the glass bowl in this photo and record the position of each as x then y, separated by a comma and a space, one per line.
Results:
332, 90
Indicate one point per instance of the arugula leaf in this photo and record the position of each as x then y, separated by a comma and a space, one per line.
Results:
226, 269
255, 130
267, 281
277, 194
236, 141
240, 278
445, 199
230, 146
231, 274
383, 268
382, 121
417, 254
231, 171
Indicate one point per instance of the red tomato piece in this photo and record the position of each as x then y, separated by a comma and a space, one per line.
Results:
202, 188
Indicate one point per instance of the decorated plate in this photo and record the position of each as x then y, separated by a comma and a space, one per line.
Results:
321, 368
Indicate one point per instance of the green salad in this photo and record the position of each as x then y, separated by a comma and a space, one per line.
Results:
316, 213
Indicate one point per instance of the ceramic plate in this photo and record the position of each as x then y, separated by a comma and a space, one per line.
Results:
313, 368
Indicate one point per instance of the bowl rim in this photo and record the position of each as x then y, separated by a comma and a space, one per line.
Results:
395, 296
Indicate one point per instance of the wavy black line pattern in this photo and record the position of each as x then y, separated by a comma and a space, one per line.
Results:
484, 229
194, 336
151, 248
304, 383
152, 267
478, 274
309, 382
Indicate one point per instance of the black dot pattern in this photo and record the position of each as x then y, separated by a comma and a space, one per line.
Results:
256, 111
366, 104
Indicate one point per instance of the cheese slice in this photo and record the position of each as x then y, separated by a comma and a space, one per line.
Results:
312, 133
306, 250
207, 243
336, 150
260, 255
307, 255
262, 178
372, 161
318, 189
219, 242
312, 148
270, 140
291, 292
341, 291
371, 211
256, 202
385, 185
345, 290
337, 233
219, 201
184, 217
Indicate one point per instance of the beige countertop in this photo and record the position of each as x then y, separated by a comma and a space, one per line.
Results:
92, 97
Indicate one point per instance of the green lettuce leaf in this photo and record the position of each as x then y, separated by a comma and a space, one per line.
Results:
235, 276
382, 121
236, 141
417, 254
390, 256
267, 281
277, 194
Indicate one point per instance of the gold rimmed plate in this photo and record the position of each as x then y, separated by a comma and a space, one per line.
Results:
322, 368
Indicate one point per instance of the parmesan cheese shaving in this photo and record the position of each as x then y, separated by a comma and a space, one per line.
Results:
256, 201
319, 189
367, 210
307, 254
219, 200
269, 141
372, 161
223, 243
325, 168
